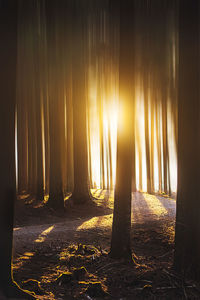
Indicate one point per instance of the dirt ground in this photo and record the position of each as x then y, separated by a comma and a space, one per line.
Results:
65, 256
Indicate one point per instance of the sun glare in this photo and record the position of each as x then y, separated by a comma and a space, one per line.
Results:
110, 118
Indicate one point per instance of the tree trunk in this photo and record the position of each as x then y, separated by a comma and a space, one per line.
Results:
81, 189
158, 142
147, 142
56, 196
8, 60
165, 141
187, 242
120, 241
101, 133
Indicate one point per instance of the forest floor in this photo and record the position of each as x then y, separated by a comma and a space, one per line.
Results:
65, 256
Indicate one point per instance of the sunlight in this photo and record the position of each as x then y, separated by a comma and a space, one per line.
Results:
22, 259
110, 119
98, 193
101, 221
154, 205
42, 237
110, 136
109, 127
16, 228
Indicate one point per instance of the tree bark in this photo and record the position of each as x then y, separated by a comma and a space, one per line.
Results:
8, 61
56, 196
187, 243
120, 241
81, 192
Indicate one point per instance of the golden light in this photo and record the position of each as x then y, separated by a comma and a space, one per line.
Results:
22, 259
100, 222
110, 123
42, 237
155, 206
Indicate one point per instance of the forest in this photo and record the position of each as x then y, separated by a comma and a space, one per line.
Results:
100, 149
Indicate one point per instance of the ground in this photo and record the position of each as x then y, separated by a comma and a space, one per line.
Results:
75, 245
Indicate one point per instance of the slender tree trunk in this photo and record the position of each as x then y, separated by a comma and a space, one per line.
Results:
39, 81
101, 135
147, 142
146, 90
22, 153
139, 159
165, 142
70, 170
56, 196
39, 104
158, 142
32, 144
110, 158
39, 184
152, 144
81, 189
89, 154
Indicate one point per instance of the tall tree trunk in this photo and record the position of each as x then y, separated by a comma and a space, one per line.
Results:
187, 242
56, 196
165, 141
101, 133
110, 158
147, 140
81, 189
152, 144
146, 90
70, 167
158, 142
8, 61
39, 88
22, 128
32, 144
120, 241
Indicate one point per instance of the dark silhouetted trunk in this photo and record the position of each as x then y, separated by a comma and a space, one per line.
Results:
158, 142
81, 192
56, 196
8, 61
147, 140
120, 242
187, 242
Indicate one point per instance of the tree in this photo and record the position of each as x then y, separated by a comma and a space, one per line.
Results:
120, 241
81, 187
8, 60
56, 116
187, 243
39, 99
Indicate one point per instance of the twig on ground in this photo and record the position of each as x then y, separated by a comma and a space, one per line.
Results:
169, 252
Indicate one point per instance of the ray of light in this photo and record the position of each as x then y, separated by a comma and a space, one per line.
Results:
42, 237
101, 221
154, 205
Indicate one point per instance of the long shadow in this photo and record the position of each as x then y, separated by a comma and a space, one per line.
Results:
152, 235
38, 249
169, 204
140, 209
149, 241
38, 257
